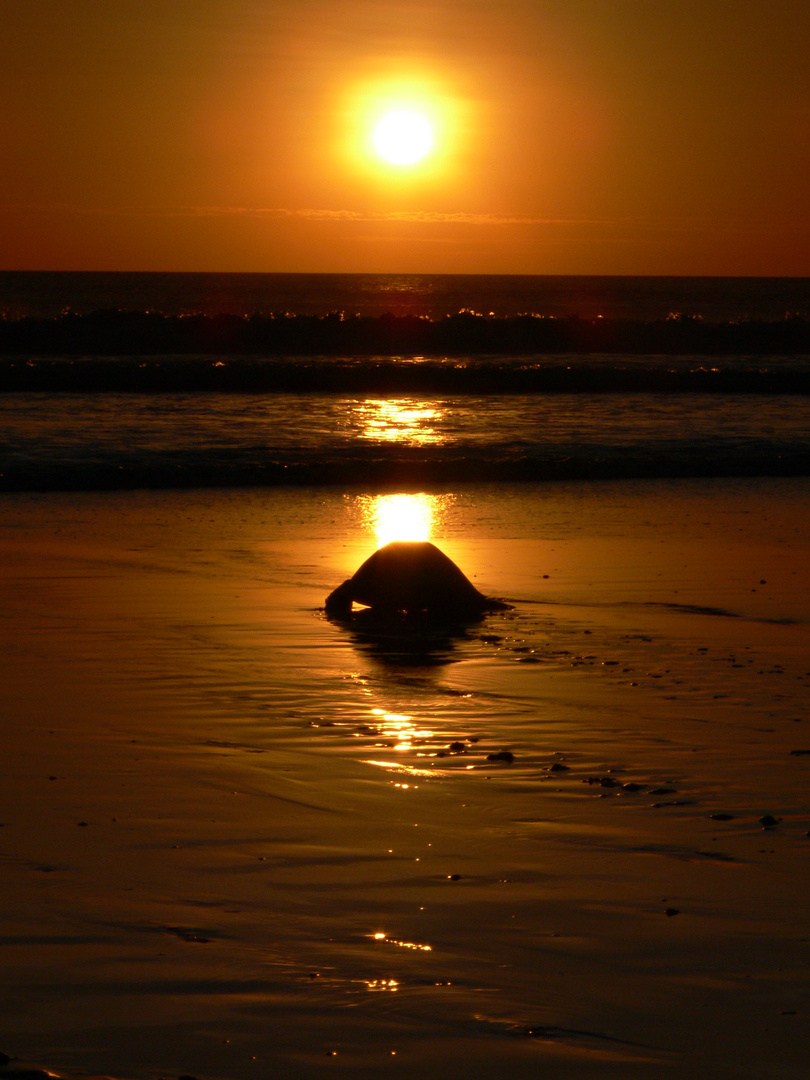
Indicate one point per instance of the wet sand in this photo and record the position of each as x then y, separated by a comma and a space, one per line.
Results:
240, 841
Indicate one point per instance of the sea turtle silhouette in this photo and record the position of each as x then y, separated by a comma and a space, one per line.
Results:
411, 578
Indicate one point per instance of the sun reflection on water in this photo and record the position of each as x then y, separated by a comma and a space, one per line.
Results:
403, 420
415, 517
410, 422
403, 517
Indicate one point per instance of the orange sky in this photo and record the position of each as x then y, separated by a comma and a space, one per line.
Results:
572, 136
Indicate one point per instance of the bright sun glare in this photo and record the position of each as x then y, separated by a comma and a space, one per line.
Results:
402, 517
403, 137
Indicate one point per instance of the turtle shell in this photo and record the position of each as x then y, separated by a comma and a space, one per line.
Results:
415, 576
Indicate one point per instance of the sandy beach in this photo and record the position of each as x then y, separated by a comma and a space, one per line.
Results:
240, 841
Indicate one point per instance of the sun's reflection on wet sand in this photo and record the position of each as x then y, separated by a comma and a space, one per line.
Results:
403, 735
381, 985
401, 728
380, 935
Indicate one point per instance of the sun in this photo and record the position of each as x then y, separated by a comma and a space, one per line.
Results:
403, 137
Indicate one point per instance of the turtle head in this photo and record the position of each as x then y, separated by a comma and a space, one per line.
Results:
339, 603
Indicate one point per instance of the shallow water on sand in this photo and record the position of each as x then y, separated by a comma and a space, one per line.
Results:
239, 839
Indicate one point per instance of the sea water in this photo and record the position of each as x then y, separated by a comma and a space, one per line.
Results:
118, 440
46, 294
84, 422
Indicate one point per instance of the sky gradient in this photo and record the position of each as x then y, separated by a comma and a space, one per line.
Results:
571, 136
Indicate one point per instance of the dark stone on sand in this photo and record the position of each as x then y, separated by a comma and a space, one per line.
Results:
721, 817
457, 747
768, 821
502, 755
412, 578
4, 1059
799, 753
670, 911
661, 791
630, 786
454, 877
558, 767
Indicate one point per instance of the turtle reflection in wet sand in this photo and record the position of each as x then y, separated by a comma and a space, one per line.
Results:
411, 578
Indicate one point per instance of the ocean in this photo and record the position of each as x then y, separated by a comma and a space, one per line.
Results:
134, 380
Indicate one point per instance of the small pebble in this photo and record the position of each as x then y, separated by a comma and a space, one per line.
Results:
631, 787
768, 821
670, 911
502, 755
721, 817
558, 767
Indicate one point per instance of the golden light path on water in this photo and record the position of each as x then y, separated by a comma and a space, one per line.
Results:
405, 420
400, 517
404, 516
411, 422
